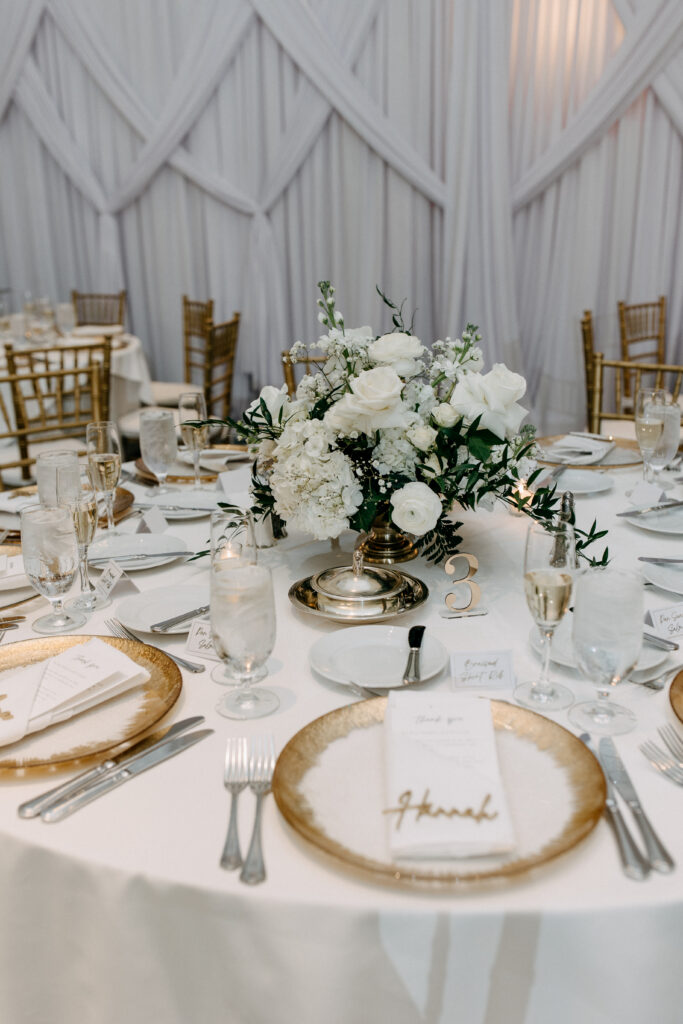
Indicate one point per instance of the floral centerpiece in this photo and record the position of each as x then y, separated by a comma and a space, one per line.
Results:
389, 428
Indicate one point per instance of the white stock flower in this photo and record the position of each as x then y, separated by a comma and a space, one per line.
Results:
445, 415
422, 436
398, 350
374, 402
416, 508
493, 396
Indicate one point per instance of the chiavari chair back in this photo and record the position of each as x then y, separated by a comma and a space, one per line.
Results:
99, 308
615, 420
310, 364
642, 331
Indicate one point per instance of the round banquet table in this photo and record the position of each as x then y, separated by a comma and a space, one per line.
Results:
121, 912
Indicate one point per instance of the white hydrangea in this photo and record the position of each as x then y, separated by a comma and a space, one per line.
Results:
395, 454
316, 494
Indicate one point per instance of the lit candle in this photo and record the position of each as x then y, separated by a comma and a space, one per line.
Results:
521, 491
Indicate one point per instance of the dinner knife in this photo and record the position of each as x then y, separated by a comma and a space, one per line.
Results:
169, 748
134, 556
32, 808
637, 512
412, 669
166, 624
660, 561
659, 857
632, 861
659, 641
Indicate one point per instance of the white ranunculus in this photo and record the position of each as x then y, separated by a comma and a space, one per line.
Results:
398, 350
445, 415
377, 390
493, 396
422, 436
275, 399
416, 508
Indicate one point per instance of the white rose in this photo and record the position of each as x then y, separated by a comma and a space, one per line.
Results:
374, 402
445, 415
398, 350
422, 436
275, 399
416, 508
492, 396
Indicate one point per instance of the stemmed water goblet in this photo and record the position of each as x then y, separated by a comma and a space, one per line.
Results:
549, 564
48, 464
242, 622
158, 445
82, 504
607, 633
48, 543
193, 428
104, 460
649, 419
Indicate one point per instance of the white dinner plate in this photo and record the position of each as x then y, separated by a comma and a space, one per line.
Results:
158, 545
562, 653
668, 577
171, 504
583, 481
670, 521
373, 656
140, 611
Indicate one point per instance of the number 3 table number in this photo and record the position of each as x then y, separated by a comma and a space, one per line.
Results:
462, 568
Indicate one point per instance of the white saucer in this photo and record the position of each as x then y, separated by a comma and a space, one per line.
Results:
562, 652
141, 611
157, 544
584, 481
666, 521
373, 656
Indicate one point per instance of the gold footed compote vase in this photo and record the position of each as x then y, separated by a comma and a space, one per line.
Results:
386, 544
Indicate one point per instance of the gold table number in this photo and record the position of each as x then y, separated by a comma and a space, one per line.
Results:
471, 564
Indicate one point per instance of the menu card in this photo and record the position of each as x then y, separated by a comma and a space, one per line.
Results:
444, 794
56, 689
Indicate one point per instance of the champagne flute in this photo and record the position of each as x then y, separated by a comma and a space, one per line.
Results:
649, 425
83, 508
48, 543
607, 633
549, 563
104, 459
193, 429
158, 445
233, 537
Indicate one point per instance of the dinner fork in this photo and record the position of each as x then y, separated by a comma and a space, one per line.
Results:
662, 762
235, 778
121, 631
673, 742
261, 768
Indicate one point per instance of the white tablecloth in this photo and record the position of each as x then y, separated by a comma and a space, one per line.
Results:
121, 913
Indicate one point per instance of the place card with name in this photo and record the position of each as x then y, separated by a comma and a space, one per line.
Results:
114, 581
200, 641
153, 521
668, 622
444, 794
485, 670
644, 494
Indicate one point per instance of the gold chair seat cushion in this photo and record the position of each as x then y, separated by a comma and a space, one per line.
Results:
167, 392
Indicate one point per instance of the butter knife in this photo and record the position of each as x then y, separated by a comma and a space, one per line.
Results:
659, 641
166, 624
169, 748
632, 861
32, 808
636, 512
659, 857
412, 669
660, 561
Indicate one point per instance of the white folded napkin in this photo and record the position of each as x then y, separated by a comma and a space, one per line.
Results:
15, 505
444, 793
580, 451
54, 690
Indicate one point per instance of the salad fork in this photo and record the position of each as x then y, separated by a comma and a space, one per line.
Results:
123, 633
235, 779
662, 762
673, 742
261, 768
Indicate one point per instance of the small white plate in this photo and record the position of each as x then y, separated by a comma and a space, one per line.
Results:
141, 611
137, 544
583, 481
670, 521
668, 577
562, 652
373, 656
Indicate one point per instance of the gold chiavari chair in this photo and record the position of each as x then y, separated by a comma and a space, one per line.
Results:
310, 364
656, 375
219, 366
642, 331
40, 410
588, 342
99, 308
197, 324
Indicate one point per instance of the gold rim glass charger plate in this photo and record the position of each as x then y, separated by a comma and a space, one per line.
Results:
676, 696
108, 727
123, 499
328, 784
622, 446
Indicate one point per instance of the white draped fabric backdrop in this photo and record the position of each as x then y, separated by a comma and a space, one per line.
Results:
509, 162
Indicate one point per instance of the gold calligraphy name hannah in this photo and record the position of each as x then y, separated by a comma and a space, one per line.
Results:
425, 809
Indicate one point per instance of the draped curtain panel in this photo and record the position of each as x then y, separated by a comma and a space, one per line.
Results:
507, 162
